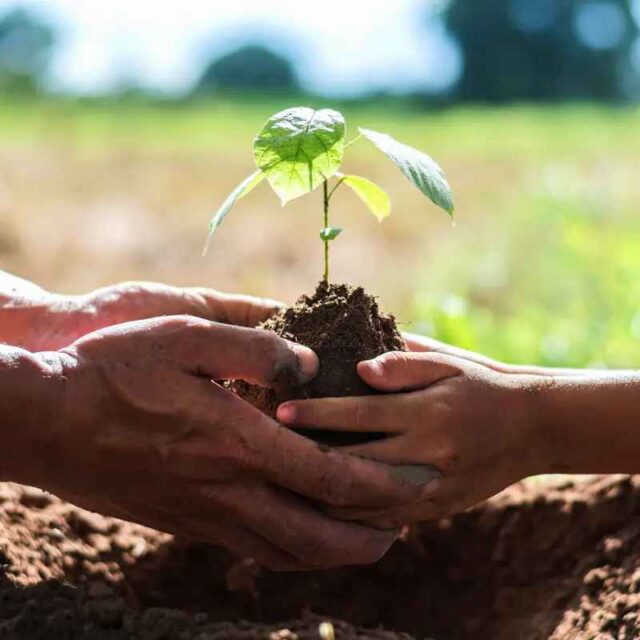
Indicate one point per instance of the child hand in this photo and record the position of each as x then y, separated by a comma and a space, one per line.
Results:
477, 425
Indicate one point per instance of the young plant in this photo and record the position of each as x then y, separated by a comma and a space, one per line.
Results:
300, 149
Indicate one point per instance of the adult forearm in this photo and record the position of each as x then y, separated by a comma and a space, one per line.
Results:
24, 309
37, 320
29, 389
591, 424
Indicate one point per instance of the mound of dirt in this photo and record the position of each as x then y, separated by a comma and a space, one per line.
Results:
343, 325
558, 562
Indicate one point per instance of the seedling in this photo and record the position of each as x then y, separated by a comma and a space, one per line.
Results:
301, 149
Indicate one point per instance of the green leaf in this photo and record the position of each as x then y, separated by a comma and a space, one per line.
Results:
371, 194
299, 148
330, 233
421, 169
240, 191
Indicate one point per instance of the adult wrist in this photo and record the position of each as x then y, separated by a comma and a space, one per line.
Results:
31, 391
44, 323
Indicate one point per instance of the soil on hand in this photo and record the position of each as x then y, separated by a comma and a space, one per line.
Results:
343, 325
539, 562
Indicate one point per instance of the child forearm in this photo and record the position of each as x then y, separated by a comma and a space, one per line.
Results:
591, 423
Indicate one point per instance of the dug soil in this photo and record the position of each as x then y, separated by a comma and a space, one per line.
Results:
541, 561
343, 325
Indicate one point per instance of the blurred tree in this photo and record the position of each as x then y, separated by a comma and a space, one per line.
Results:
249, 69
543, 49
26, 45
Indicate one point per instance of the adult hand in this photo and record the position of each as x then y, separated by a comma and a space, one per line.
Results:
476, 424
136, 428
37, 320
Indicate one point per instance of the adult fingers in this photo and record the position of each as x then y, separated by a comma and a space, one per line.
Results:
289, 460
302, 531
405, 371
243, 440
453, 497
221, 351
209, 525
391, 451
446, 497
229, 308
243, 542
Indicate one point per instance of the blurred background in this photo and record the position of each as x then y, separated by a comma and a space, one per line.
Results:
123, 125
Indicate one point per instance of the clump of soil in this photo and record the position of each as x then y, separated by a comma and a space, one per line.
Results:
540, 562
343, 325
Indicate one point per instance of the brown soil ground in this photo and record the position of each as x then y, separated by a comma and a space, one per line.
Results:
343, 325
555, 561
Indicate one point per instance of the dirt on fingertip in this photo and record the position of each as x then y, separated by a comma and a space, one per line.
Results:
344, 326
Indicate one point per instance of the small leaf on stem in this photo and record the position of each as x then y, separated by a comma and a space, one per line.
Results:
371, 194
298, 149
330, 233
417, 166
240, 191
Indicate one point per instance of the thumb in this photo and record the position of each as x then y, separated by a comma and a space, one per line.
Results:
406, 371
242, 310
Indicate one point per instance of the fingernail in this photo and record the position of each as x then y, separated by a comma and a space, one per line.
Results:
418, 475
286, 413
308, 362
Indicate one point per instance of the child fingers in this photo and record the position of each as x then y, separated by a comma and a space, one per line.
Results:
406, 371
370, 413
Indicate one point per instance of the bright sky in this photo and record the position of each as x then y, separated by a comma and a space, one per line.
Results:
351, 45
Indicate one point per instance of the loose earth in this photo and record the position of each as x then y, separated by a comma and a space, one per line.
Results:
541, 561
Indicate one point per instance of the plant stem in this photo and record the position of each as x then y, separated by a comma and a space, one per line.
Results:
340, 181
346, 146
325, 191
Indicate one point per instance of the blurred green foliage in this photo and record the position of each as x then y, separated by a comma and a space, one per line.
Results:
545, 49
544, 263
26, 47
249, 68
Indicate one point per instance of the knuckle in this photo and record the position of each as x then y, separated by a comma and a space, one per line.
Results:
185, 331
266, 345
362, 414
273, 355
442, 410
337, 489
217, 496
185, 321
392, 361
233, 451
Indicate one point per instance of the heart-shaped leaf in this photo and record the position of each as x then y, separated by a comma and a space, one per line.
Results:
297, 149
421, 169
371, 194
240, 191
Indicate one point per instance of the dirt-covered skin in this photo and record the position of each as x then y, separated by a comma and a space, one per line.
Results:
343, 325
539, 562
